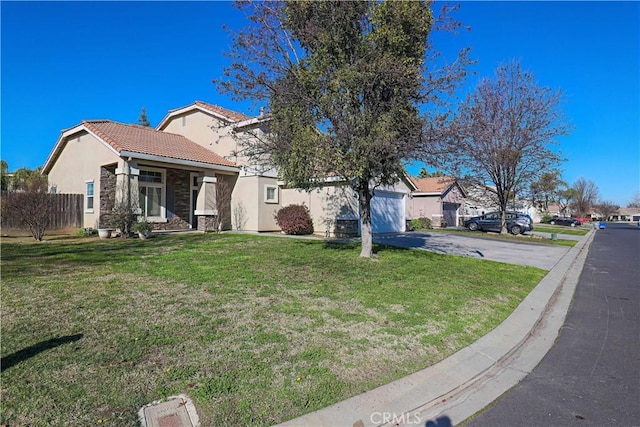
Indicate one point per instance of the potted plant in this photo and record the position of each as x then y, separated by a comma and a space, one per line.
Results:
143, 228
104, 233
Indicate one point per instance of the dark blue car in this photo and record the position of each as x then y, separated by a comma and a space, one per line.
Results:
517, 222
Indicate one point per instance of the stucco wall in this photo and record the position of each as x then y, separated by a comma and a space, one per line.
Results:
248, 202
205, 130
78, 163
454, 195
325, 204
425, 206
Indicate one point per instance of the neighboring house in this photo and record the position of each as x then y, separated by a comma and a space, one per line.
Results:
440, 199
626, 214
482, 199
555, 209
174, 173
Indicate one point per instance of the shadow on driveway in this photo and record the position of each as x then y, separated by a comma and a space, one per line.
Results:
535, 255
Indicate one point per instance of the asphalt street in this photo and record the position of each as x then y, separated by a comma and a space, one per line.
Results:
531, 254
591, 376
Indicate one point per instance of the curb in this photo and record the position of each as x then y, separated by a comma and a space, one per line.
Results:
457, 387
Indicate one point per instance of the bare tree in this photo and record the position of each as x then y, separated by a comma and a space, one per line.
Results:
585, 195
29, 202
125, 210
4, 177
606, 209
344, 81
502, 135
239, 216
635, 203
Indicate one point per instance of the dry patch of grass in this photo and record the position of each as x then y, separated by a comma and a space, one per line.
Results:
256, 329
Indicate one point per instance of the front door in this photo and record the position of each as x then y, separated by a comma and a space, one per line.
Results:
449, 213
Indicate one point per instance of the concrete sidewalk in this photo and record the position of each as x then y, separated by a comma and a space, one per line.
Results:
456, 388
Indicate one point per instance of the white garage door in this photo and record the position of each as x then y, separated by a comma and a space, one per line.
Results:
387, 212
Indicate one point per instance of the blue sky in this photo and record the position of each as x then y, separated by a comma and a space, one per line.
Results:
64, 62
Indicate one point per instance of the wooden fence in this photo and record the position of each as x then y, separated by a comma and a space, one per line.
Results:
67, 212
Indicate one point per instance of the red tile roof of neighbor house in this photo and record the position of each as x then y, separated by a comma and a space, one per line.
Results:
146, 140
436, 184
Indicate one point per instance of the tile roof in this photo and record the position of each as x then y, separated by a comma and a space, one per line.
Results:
233, 115
433, 185
146, 140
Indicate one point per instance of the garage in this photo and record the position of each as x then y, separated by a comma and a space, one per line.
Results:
387, 212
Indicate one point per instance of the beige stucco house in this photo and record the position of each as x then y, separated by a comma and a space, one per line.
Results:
177, 174
440, 199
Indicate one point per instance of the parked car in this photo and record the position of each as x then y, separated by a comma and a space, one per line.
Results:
517, 222
582, 219
571, 222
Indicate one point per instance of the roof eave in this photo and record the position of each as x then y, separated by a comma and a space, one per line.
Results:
427, 193
182, 162
249, 122
194, 106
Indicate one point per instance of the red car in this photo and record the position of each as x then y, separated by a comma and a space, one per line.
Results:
582, 220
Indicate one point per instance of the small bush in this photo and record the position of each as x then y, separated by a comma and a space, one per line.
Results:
295, 219
86, 232
421, 223
142, 226
546, 218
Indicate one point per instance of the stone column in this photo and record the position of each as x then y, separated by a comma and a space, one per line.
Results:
127, 174
206, 204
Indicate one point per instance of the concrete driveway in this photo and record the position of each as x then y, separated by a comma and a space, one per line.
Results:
532, 254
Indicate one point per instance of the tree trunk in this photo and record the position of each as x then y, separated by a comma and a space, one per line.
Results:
503, 219
364, 196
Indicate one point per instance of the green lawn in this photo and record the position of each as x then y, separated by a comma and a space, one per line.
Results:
256, 329
563, 229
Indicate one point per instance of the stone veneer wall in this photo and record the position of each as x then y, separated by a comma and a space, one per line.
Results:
207, 223
108, 185
346, 227
180, 181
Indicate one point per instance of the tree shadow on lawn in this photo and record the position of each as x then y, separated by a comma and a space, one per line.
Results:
353, 246
27, 353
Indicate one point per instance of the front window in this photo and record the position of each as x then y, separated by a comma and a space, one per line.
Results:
151, 186
89, 195
271, 194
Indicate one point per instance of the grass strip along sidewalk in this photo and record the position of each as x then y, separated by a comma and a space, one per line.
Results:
257, 330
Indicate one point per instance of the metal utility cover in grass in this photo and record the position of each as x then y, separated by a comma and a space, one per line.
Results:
176, 412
